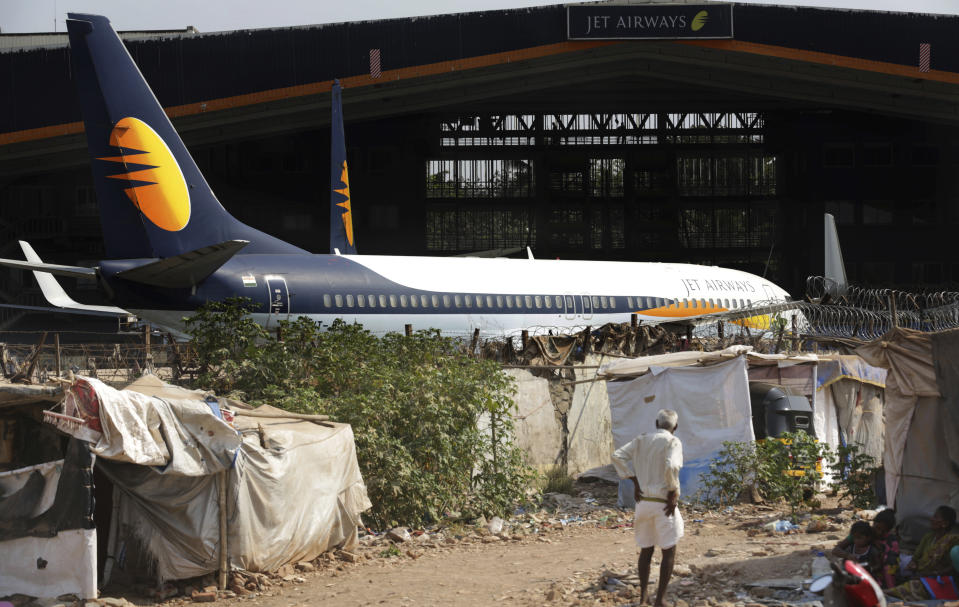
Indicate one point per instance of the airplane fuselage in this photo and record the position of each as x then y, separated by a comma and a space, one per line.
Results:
455, 295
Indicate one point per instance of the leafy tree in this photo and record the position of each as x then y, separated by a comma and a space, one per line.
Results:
432, 426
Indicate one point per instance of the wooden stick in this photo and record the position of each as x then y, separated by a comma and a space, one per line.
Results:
223, 547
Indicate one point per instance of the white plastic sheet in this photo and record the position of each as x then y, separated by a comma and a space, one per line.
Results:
712, 403
70, 566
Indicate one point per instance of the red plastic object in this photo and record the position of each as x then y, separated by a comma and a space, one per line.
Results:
862, 593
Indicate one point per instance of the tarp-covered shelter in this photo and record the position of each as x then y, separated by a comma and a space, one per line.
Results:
199, 484
709, 390
855, 390
47, 535
921, 447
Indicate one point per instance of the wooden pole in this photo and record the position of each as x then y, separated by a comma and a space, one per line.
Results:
795, 337
474, 341
524, 337
720, 330
56, 342
223, 551
892, 310
148, 359
633, 321
408, 330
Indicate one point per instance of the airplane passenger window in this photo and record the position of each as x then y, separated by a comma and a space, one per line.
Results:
372, 301
424, 301
742, 303
539, 301
339, 300
528, 300
458, 300
361, 300
479, 301
499, 301
603, 301
382, 301
327, 300
519, 301
414, 301
595, 299
349, 301
436, 300
468, 300
569, 303
702, 303
404, 300
559, 302
509, 301
612, 302
393, 301
685, 303
549, 301
726, 303
629, 301
489, 301
446, 301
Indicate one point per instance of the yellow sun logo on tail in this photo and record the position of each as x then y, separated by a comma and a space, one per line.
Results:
157, 187
348, 214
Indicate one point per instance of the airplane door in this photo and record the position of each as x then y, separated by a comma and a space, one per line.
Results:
279, 299
587, 307
569, 303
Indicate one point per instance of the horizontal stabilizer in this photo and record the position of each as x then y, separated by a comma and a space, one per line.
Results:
55, 294
187, 269
50, 268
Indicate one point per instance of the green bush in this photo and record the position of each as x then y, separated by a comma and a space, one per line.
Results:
856, 473
770, 468
433, 427
778, 469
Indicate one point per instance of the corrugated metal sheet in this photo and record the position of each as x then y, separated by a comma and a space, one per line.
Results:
35, 87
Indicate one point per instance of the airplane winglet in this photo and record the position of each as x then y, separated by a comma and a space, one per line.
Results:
529, 253
54, 293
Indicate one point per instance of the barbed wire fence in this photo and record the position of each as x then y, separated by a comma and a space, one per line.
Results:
821, 321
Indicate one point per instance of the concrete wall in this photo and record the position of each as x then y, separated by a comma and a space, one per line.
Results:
590, 436
555, 421
537, 431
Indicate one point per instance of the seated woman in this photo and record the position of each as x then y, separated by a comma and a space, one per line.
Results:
887, 541
931, 565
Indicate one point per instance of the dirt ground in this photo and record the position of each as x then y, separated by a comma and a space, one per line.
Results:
577, 550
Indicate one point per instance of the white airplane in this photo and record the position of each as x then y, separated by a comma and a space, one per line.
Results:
173, 247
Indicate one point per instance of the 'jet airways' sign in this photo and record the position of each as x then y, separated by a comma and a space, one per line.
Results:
649, 21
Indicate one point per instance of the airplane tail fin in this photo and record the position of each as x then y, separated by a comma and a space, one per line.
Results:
341, 215
835, 271
154, 202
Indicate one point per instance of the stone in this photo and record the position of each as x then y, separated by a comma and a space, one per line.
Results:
91, 604
489, 539
298, 580
210, 588
552, 594
305, 566
349, 557
285, 570
398, 534
761, 592
713, 552
682, 570
681, 603
287, 578
204, 597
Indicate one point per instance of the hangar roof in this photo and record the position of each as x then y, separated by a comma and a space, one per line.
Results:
234, 85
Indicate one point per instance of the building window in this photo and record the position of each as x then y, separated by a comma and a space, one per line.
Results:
479, 229
495, 178
567, 182
699, 174
606, 177
877, 212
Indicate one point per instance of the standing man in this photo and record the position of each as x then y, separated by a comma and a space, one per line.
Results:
656, 460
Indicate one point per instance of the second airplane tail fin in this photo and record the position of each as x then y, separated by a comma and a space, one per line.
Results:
154, 202
835, 270
341, 213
